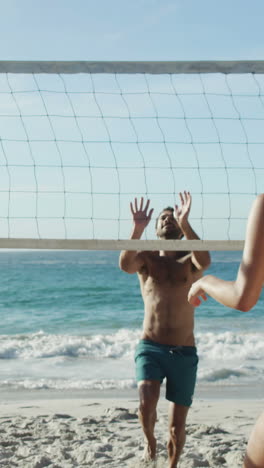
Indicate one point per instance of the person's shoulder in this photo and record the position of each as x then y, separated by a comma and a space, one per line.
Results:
260, 198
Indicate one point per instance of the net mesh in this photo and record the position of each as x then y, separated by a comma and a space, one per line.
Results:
76, 148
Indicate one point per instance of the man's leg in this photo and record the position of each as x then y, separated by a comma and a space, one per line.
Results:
149, 391
177, 420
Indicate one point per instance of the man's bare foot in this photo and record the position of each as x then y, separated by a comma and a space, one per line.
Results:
150, 450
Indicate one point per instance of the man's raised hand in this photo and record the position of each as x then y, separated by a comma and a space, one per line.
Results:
181, 213
141, 215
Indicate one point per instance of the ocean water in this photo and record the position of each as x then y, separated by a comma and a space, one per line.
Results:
70, 321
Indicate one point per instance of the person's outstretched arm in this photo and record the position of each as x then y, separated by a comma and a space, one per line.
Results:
244, 291
201, 259
130, 260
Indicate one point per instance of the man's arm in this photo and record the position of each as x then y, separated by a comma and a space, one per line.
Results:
132, 261
200, 259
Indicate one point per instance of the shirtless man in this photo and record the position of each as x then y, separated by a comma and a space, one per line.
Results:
167, 346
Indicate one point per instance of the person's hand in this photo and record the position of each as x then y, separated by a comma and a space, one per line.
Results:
141, 215
196, 293
181, 213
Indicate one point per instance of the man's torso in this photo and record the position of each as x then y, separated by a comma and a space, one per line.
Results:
165, 282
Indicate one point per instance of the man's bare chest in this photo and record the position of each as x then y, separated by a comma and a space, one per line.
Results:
171, 272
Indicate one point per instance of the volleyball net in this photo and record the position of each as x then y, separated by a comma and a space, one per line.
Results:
80, 140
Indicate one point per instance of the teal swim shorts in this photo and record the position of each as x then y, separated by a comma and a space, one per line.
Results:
178, 364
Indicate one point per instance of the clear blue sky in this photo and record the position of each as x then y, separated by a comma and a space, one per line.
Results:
126, 30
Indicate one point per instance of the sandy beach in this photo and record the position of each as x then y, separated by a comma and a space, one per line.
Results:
51, 430
68, 395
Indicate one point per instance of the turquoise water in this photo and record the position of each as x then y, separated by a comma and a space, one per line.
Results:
71, 320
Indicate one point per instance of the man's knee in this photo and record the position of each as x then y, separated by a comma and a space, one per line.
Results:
147, 403
149, 389
148, 396
146, 407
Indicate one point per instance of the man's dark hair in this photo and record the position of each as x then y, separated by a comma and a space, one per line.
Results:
169, 208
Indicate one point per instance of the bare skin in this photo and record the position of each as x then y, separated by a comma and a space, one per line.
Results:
255, 448
165, 278
242, 294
